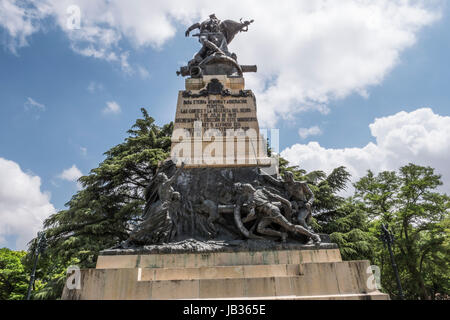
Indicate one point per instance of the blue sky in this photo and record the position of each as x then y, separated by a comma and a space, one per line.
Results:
53, 96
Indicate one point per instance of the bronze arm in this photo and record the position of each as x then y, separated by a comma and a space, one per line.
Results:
272, 180
177, 173
309, 192
193, 27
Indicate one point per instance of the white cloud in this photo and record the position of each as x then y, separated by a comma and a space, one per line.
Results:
23, 206
112, 107
20, 21
421, 137
309, 132
72, 174
94, 87
308, 52
31, 104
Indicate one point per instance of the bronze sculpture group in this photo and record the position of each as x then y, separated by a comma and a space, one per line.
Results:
214, 56
264, 209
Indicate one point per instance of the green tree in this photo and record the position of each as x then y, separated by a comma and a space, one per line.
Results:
419, 218
345, 221
104, 212
348, 226
13, 275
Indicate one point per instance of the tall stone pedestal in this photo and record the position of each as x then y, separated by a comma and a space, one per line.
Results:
216, 125
308, 273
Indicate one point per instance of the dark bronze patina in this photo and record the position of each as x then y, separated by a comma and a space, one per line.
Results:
214, 58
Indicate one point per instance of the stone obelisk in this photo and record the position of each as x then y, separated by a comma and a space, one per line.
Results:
216, 124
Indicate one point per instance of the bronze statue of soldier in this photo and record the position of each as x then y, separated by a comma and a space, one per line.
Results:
299, 194
266, 207
215, 36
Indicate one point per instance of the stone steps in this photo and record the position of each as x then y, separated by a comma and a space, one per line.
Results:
198, 260
219, 272
312, 280
363, 296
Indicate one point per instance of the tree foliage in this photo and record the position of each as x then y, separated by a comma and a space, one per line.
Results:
418, 216
13, 275
111, 202
345, 222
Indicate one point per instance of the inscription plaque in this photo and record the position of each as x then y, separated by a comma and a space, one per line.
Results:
218, 129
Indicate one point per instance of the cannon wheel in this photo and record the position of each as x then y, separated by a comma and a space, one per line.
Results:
240, 225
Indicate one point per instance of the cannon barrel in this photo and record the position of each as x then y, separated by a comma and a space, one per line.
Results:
249, 68
197, 71
184, 71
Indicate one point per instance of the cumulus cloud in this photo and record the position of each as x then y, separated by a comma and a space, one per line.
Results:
309, 132
308, 52
112, 107
72, 174
421, 137
19, 20
23, 206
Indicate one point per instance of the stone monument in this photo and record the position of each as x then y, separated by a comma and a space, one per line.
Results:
216, 225
216, 121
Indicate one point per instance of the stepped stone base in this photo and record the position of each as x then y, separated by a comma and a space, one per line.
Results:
301, 274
